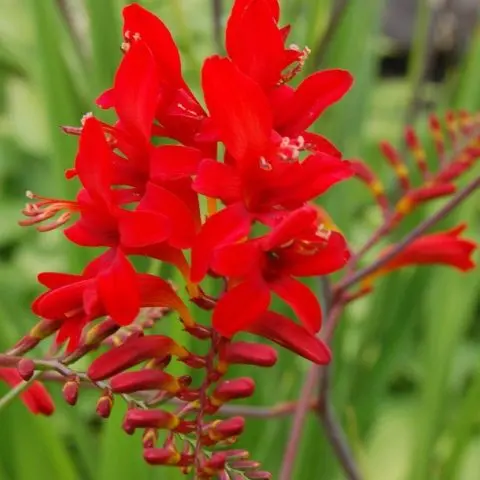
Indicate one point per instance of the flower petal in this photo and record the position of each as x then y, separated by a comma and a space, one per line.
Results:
239, 109
302, 300
236, 259
316, 93
218, 180
141, 228
228, 225
138, 20
136, 92
93, 163
255, 43
284, 332
239, 307
119, 290
170, 162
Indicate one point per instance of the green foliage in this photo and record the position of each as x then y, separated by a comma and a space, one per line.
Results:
407, 378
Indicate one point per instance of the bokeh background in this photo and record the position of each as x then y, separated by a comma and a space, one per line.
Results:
407, 358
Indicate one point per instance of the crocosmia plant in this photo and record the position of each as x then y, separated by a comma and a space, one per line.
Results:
222, 189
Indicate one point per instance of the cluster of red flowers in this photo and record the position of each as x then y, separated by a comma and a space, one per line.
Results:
142, 198
222, 192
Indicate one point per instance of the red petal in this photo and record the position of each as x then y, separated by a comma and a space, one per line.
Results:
141, 228
161, 201
237, 259
106, 99
288, 334
136, 91
56, 280
169, 162
118, 289
300, 221
35, 397
94, 161
159, 39
226, 226
255, 43
239, 109
316, 93
318, 144
218, 180
156, 292
332, 257
239, 307
302, 300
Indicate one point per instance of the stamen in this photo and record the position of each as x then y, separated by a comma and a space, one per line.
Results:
289, 149
85, 117
265, 165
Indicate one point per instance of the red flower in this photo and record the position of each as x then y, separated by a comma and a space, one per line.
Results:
294, 247
108, 286
35, 397
441, 248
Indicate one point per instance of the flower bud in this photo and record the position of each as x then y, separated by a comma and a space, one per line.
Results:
105, 404
167, 456
148, 379
70, 390
232, 389
258, 475
133, 352
222, 429
199, 331
26, 368
215, 464
248, 353
244, 465
136, 418
236, 454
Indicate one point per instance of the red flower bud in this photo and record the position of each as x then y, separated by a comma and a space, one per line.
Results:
248, 353
233, 389
101, 331
104, 405
148, 379
136, 418
258, 475
70, 391
216, 463
245, 465
26, 368
199, 331
236, 454
133, 352
167, 456
222, 429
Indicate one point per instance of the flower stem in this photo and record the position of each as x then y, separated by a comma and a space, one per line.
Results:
16, 391
408, 239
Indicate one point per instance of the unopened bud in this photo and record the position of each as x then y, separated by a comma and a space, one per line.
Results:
199, 331
104, 405
133, 352
258, 475
248, 353
70, 391
26, 368
167, 456
236, 454
245, 465
136, 418
233, 389
216, 463
148, 379
222, 429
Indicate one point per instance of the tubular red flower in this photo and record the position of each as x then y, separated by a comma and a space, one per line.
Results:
147, 379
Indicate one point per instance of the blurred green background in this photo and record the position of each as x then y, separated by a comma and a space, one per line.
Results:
407, 358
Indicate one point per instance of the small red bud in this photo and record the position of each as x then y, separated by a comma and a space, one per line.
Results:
249, 354
245, 465
237, 454
26, 368
232, 389
104, 405
136, 418
167, 456
258, 475
70, 391
133, 352
148, 379
222, 429
199, 331
150, 436
215, 463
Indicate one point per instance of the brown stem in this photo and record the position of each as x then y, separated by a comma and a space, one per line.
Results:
458, 198
301, 410
333, 430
